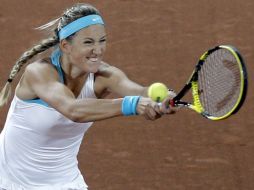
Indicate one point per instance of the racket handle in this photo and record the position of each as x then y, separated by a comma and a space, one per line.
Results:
172, 103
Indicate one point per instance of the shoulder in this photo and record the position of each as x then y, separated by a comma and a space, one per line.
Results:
108, 71
38, 72
40, 68
43, 64
106, 77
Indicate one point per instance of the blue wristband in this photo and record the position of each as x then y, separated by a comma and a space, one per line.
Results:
129, 105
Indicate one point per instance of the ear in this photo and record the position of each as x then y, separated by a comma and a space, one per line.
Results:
65, 46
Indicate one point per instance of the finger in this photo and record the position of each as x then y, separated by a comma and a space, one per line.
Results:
171, 93
151, 113
166, 108
171, 111
165, 105
146, 116
158, 109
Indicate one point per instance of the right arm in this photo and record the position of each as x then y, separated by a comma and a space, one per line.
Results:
42, 77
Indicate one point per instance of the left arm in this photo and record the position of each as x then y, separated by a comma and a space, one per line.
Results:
114, 80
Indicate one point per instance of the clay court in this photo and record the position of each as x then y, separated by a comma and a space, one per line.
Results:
155, 40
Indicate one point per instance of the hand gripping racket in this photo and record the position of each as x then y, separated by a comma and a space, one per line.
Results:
218, 84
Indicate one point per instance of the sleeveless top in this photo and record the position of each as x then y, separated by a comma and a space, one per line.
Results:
39, 145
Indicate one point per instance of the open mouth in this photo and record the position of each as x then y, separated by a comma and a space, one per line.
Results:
93, 59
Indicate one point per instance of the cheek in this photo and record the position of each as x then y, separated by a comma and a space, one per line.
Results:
103, 51
81, 54
84, 51
104, 47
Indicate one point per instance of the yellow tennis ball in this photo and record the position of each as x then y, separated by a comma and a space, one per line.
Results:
158, 91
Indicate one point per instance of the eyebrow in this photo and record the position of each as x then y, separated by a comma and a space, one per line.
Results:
93, 39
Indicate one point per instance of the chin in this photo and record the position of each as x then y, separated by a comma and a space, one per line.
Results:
93, 70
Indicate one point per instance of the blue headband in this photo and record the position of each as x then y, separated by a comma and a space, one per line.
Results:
79, 24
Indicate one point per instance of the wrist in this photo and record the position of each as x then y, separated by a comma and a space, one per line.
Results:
129, 105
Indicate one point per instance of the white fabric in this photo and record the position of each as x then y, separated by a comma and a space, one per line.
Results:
39, 147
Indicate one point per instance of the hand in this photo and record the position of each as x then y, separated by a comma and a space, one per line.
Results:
148, 108
152, 110
165, 107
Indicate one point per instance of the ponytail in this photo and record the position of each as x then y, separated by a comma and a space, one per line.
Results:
44, 45
77, 11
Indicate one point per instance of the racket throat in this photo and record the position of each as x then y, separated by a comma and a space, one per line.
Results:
197, 106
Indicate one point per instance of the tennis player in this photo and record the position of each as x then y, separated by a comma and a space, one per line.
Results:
58, 98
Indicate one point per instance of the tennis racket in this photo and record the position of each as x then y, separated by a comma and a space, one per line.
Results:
218, 84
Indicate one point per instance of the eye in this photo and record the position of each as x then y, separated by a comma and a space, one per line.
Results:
88, 42
103, 40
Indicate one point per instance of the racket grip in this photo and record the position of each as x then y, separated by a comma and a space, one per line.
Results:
172, 103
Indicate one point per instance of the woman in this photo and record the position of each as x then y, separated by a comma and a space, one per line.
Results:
58, 98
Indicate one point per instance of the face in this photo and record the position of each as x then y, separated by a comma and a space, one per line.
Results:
86, 49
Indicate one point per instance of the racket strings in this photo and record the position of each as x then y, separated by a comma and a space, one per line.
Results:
219, 83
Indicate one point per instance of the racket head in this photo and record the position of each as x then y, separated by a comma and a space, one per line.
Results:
218, 83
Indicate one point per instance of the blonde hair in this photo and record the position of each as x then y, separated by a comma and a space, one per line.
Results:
75, 12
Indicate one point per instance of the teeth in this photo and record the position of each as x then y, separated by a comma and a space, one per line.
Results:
94, 59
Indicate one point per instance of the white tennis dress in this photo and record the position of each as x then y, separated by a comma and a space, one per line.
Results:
39, 146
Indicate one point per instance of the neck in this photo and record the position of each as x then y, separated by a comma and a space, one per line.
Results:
70, 71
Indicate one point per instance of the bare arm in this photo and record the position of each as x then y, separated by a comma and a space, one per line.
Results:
119, 83
43, 82
114, 80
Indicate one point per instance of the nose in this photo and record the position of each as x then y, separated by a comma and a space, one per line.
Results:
97, 50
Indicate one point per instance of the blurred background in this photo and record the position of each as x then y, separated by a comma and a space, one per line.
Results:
154, 40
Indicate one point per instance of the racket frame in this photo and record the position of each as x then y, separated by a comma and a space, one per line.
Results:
192, 84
